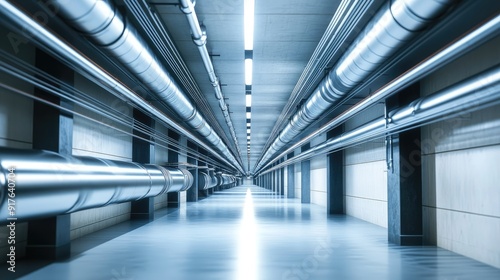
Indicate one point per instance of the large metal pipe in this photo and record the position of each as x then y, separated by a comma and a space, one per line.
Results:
205, 181
198, 33
42, 183
105, 26
57, 47
433, 63
469, 95
395, 24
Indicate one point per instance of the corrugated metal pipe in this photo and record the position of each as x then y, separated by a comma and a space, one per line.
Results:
105, 26
43, 183
394, 24
198, 33
477, 92
207, 181
54, 45
469, 42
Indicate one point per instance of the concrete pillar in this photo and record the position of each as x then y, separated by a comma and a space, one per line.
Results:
49, 238
305, 179
291, 178
192, 193
142, 152
404, 179
173, 157
335, 177
282, 178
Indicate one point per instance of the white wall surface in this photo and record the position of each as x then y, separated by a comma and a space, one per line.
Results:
460, 169
365, 174
318, 175
93, 139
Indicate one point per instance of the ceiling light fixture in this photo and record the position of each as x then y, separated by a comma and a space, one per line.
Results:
248, 100
248, 71
249, 12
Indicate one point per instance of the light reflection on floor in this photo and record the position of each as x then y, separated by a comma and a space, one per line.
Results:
247, 245
247, 233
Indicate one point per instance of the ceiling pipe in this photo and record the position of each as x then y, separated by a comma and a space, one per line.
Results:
466, 44
470, 95
199, 35
394, 24
54, 45
106, 27
44, 183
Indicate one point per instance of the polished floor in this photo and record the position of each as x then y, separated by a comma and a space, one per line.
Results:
247, 233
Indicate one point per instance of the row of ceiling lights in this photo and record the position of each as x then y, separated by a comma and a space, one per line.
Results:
249, 12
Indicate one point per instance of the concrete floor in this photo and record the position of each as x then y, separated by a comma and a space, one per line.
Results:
248, 233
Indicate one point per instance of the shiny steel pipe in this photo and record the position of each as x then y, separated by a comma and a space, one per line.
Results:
472, 94
395, 24
44, 183
106, 27
200, 40
205, 181
60, 49
433, 63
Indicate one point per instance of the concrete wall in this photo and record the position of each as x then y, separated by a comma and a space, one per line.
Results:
161, 157
318, 175
365, 174
298, 176
93, 139
461, 159
16, 126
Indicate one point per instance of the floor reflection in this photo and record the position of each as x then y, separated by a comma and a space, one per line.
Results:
247, 246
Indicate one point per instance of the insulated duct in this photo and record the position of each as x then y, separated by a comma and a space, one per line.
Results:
53, 44
44, 183
105, 26
395, 24
198, 33
472, 94
205, 181
469, 42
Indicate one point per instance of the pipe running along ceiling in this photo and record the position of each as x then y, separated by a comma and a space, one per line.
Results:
472, 94
394, 25
107, 27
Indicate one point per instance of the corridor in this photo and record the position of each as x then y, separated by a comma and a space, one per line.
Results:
247, 233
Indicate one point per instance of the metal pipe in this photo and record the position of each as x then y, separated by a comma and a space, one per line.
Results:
395, 24
466, 44
472, 94
60, 49
44, 183
198, 33
205, 181
109, 29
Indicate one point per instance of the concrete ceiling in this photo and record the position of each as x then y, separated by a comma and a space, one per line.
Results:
286, 34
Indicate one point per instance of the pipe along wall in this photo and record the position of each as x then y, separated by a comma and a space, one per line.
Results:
43, 183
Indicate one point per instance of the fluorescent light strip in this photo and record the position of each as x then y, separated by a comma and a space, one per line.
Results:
248, 98
248, 71
249, 115
249, 15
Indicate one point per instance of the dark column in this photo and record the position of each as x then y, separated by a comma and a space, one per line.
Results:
291, 178
335, 177
404, 196
282, 179
52, 130
173, 157
192, 193
305, 178
142, 152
